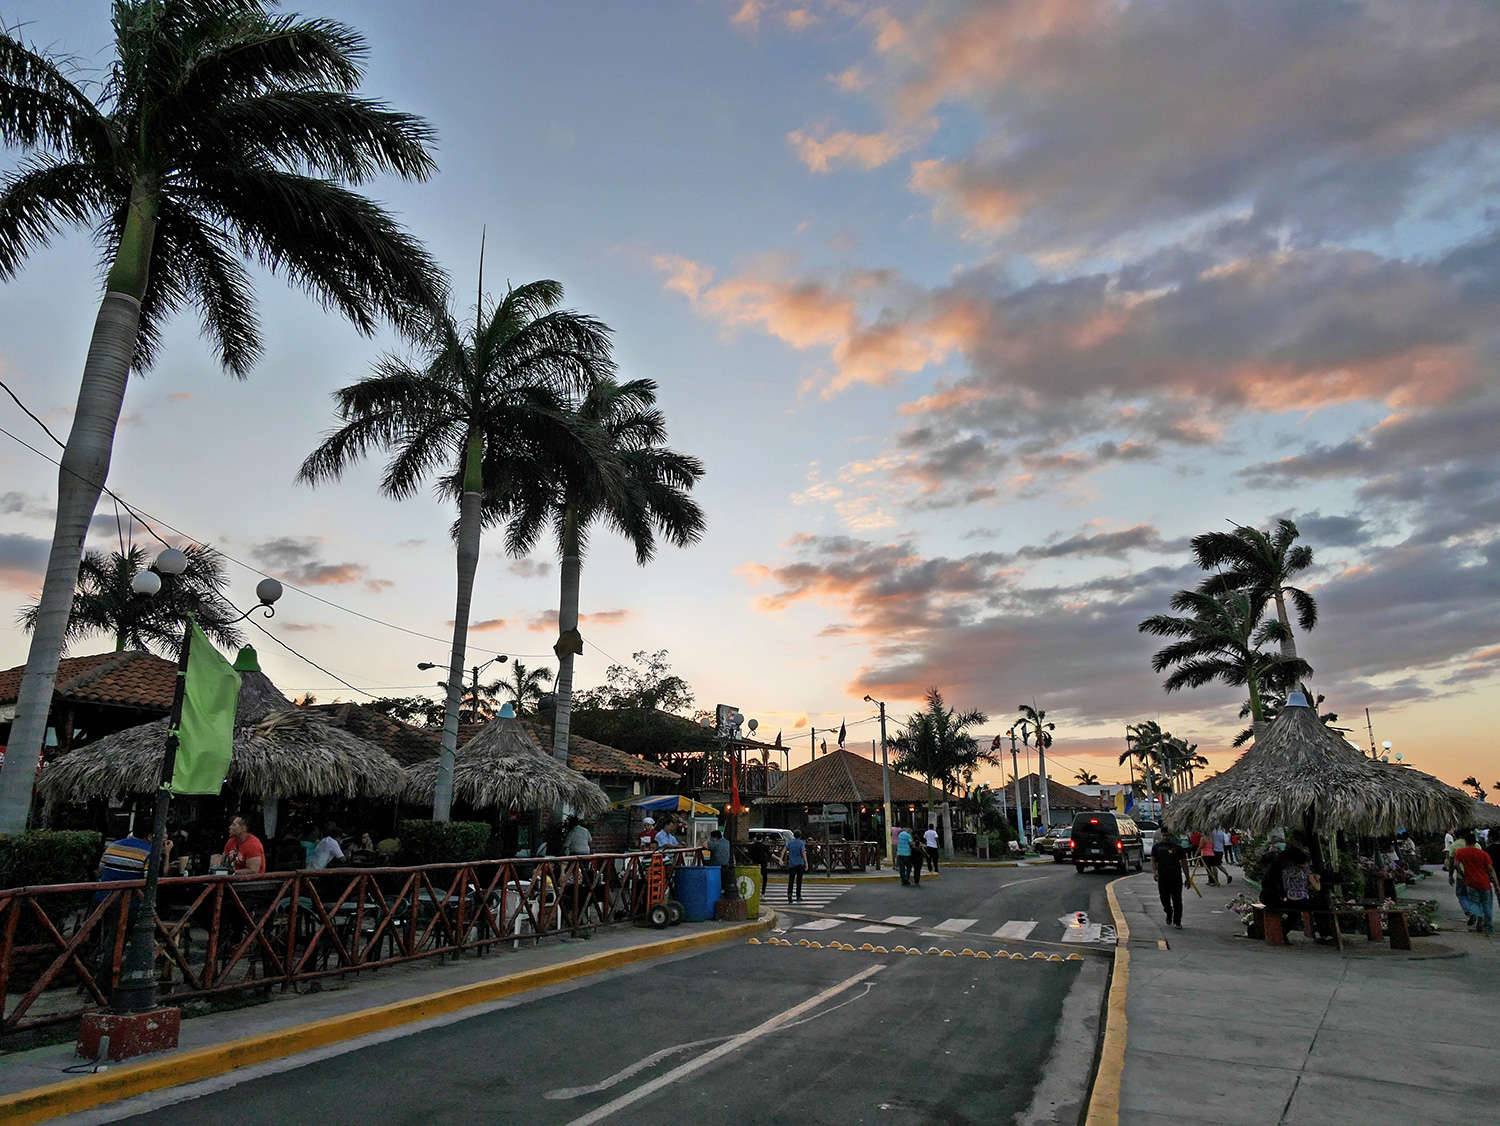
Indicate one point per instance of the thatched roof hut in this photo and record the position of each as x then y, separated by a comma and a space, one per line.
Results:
1302, 774
279, 751
503, 766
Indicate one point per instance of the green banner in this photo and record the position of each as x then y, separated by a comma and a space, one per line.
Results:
205, 736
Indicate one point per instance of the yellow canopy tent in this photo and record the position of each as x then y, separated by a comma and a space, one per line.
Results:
668, 803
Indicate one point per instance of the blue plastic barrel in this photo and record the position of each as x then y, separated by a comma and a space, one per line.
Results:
697, 889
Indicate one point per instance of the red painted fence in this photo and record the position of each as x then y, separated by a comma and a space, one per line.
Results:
61, 944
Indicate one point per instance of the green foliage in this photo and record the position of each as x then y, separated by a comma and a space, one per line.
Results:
650, 686
1255, 857
50, 857
935, 743
654, 735
416, 710
442, 842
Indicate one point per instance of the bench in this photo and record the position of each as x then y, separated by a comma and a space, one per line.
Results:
1267, 923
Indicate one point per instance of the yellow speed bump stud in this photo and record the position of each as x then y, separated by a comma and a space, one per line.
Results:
867, 946
1075, 957
753, 942
900, 950
803, 942
1056, 958
916, 952
933, 950
881, 950
966, 953
1020, 957
949, 954
1040, 955
982, 954
816, 945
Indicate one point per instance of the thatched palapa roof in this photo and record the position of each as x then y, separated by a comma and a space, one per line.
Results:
278, 750
503, 766
1303, 773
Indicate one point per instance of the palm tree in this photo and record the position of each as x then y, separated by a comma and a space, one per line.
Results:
1262, 566
1085, 778
486, 410
1222, 637
222, 132
936, 743
1149, 747
640, 490
525, 687
104, 603
1032, 723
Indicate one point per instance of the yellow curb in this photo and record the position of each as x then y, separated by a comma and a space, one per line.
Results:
1104, 1097
125, 1080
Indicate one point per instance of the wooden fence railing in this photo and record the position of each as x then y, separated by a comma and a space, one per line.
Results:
61, 945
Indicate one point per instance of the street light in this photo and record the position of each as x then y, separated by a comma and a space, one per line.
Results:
135, 991
885, 778
475, 671
1015, 772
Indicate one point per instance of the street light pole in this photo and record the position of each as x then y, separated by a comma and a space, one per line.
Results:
1015, 771
135, 991
885, 780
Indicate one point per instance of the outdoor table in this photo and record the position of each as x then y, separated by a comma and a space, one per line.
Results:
1268, 920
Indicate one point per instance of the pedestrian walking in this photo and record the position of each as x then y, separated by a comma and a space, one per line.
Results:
1169, 862
1206, 854
1232, 851
796, 865
930, 839
1477, 872
1221, 847
904, 847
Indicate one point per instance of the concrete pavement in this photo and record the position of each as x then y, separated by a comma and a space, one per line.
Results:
1225, 1030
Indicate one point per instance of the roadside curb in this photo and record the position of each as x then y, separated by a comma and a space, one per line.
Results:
125, 1080
1104, 1097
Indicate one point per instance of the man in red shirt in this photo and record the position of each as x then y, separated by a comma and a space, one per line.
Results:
1474, 867
243, 851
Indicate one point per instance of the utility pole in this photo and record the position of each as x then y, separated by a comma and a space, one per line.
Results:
885, 780
1015, 770
1370, 727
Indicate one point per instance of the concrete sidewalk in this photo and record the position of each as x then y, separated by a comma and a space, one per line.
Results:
1226, 1030
333, 997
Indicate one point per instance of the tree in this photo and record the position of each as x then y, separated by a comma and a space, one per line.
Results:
524, 688
1262, 566
641, 492
1085, 778
1473, 784
104, 603
486, 411
1148, 746
1221, 638
1033, 725
419, 711
936, 743
222, 132
649, 686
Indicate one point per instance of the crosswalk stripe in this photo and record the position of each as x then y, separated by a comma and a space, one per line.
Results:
956, 924
849, 915
902, 920
1018, 928
819, 925
875, 928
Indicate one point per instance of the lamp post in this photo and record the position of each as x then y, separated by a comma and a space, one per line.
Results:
473, 672
135, 991
1015, 773
885, 779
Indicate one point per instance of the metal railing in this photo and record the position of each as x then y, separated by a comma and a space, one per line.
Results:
61, 944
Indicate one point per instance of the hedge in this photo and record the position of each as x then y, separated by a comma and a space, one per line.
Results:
50, 857
442, 842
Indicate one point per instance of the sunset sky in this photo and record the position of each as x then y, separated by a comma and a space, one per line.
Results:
976, 313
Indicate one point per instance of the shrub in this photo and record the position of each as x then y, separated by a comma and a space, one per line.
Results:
442, 842
1255, 857
50, 857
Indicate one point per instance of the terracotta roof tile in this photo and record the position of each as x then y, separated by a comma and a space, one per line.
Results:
843, 776
591, 758
129, 679
1058, 795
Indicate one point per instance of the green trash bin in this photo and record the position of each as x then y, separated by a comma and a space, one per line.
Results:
747, 876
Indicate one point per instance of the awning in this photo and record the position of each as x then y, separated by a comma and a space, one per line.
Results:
671, 803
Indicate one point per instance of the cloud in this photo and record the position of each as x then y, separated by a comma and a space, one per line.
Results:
303, 627
852, 80
746, 17
487, 624
823, 151
25, 505
23, 561
799, 19
378, 586
545, 621
529, 568
299, 561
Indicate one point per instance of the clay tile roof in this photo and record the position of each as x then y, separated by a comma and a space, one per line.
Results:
589, 757
406, 744
1058, 795
129, 679
843, 776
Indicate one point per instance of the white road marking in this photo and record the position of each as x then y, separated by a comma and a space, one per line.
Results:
764, 1028
819, 925
849, 915
956, 924
902, 920
874, 928
1028, 880
1016, 928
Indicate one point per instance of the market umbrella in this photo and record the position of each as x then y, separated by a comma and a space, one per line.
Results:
502, 766
1303, 775
671, 803
279, 751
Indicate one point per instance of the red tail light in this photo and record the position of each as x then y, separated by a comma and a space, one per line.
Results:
1119, 844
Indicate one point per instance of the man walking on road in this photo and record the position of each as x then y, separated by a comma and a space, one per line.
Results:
905, 848
931, 839
796, 865
1168, 867
1477, 872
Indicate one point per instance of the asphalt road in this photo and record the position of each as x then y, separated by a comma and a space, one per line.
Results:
742, 1033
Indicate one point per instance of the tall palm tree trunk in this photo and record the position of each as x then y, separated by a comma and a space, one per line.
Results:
569, 644
1041, 769
85, 466
1288, 642
469, 506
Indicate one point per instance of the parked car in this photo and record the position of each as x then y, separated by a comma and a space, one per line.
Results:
1149, 830
1047, 844
1107, 840
1062, 844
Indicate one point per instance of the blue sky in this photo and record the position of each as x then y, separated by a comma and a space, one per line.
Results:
976, 313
